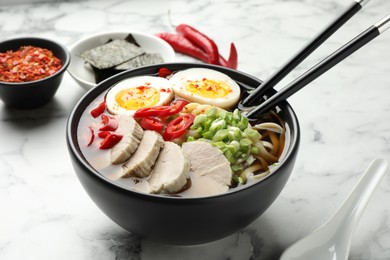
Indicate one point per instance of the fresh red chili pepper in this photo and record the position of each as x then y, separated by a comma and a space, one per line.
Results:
222, 61
164, 72
177, 106
99, 109
182, 45
92, 137
201, 40
110, 140
159, 111
232, 62
233, 57
109, 123
152, 123
178, 126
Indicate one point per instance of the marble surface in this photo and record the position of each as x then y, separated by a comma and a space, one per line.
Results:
344, 117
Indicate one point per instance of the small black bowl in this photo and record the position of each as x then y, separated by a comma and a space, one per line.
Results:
33, 94
176, 220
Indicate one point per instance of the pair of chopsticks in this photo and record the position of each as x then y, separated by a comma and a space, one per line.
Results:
256, 104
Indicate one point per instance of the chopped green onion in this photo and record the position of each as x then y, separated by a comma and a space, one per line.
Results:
231, 133
236, 168
252, 134
212, 112
208, 135
234, 146
218, 124
229, 156
255, 150
220, 135
200, 119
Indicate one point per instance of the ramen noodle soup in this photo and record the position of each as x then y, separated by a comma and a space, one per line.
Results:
179, 134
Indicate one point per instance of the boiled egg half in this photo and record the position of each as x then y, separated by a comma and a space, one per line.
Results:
206, 86
131, 94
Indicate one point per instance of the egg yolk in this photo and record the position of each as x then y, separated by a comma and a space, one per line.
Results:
136, 98
208, 88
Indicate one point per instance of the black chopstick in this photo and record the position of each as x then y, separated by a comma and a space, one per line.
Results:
275, 78
321, 67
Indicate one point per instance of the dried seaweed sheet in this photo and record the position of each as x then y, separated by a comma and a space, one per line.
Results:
141, 60
118, 55
112, 54
102, 74
130, 38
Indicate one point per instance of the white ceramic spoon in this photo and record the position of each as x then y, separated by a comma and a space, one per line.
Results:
332, 240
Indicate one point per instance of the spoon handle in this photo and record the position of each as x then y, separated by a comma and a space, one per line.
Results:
332, 240
352, 209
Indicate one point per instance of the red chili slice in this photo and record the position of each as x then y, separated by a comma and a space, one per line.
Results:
164, 72
99, 110
103, 134
110, 140
177, 106
109, 123
178, 126
152, 123
159, 111
92, 137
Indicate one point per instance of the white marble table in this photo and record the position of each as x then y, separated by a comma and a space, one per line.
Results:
344, 117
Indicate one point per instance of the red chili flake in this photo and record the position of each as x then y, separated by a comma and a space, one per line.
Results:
29, 63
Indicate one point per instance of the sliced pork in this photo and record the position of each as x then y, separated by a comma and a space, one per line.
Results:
132, 135
208, 161
141, 162
171, 171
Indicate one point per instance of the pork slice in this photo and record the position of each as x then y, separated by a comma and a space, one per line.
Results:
171, 171
208, 161
132, 135
141, 162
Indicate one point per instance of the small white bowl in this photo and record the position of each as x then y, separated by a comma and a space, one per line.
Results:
84, 75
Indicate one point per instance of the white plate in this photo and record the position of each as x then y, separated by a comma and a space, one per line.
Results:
83, 73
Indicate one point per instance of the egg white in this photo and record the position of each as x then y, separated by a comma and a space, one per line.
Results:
181, 79
161, 85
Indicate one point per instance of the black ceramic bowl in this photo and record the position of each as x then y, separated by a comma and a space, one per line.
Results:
33, 94
176, 220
